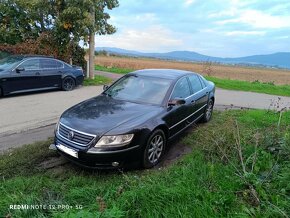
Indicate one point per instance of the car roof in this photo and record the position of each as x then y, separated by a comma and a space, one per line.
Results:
30, 56
37, 56
162, 73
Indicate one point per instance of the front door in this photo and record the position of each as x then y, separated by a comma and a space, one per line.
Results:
177, 117
25, 77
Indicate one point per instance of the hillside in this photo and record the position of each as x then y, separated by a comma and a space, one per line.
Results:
276, 60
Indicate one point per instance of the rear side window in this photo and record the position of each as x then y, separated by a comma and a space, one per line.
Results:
195, 83
50, 64
181, 89
32, 64
203, 81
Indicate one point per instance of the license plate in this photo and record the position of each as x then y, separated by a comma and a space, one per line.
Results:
67, 150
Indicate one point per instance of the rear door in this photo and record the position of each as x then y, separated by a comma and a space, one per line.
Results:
26, 79
51, 72
178, 115
198, 98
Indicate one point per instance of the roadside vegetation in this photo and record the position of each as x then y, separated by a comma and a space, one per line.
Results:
98, 80
255, 86
238, 167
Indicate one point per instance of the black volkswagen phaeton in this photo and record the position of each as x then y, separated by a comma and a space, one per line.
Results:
134, 118
34, 73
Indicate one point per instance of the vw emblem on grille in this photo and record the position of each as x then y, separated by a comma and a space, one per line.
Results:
70, 135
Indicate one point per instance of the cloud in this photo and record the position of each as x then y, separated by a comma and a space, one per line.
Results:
213, 27
246, 33
258, 19
153, 38
149, 17
189, 2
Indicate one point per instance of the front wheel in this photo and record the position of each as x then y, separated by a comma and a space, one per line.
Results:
68, 84
208, 111
154, 149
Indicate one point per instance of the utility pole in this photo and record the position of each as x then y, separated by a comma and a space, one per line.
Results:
92, 45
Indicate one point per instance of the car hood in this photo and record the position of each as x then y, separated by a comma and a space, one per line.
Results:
100, 114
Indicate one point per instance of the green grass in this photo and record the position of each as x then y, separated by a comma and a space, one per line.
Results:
113, 69
259, 87
98, 80
203, 183
267, 88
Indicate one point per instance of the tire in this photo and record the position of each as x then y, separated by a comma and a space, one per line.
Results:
154, 149
208, 112
1, 92
68, 84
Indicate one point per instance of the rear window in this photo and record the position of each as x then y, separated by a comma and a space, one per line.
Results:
50, 64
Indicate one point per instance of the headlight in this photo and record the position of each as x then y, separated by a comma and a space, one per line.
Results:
56, 126
114, 141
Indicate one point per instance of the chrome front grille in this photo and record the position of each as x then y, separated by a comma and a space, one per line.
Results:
75, 136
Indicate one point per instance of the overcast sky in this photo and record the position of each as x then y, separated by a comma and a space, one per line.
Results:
224, 28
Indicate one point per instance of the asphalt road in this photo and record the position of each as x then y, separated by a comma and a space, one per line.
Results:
27, 118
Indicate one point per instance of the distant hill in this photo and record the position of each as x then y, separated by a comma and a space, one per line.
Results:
276, 60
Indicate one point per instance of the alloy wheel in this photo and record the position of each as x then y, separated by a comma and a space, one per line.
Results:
68, 84
209, 110
155, 148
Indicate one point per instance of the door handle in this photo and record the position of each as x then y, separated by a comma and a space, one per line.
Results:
37, 74
193, 102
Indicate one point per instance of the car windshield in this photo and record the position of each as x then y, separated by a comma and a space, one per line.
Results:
140, 89
9, 62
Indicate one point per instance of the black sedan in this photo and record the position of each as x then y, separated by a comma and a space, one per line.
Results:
35, 73
134, 118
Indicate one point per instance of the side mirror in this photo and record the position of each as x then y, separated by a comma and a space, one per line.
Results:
174, 102
105, 87
18, 70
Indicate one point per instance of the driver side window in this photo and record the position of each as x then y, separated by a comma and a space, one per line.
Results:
30, 64
181, 89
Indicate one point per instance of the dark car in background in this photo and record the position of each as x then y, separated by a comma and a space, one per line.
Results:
134, 118
35, 73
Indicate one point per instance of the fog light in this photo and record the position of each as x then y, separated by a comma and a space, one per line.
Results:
115, 164
52, 147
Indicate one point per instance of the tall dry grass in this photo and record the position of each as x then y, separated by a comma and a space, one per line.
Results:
278, 76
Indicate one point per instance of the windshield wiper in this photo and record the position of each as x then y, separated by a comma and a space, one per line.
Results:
107, 94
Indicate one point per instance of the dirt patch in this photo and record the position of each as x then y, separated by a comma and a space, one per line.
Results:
176, 148
175, 152
52, 162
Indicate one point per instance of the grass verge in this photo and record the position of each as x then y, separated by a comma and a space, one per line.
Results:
98, 80
256, 86
259, 87
113, 69
212, 181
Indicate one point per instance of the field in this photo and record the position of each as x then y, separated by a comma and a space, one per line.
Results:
239, 85
276, 76
240, 170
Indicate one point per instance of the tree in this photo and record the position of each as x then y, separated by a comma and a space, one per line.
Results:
100, 25
20, 19
64, 22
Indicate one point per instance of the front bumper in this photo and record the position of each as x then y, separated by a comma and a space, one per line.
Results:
94, 158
